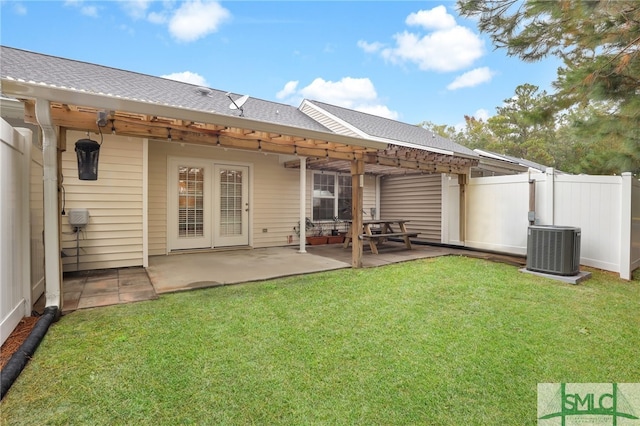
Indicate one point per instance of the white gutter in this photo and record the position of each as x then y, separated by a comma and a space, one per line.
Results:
51, 212
33, 90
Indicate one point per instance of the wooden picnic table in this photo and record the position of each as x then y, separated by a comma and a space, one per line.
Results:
384, 230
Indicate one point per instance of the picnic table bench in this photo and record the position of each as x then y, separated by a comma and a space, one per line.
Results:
376, 236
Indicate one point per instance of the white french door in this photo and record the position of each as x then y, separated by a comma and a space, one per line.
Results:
231, 205
189, 204
207, 204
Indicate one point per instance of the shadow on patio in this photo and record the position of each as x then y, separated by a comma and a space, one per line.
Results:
209, 269
187, 271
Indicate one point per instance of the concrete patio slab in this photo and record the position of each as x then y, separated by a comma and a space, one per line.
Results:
187, 271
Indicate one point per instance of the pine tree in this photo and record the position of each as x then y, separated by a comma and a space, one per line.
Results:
599, 44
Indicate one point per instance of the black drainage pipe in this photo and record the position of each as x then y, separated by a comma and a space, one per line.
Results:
19, 359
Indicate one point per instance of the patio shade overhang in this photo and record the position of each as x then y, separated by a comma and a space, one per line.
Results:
77, 109
73, 109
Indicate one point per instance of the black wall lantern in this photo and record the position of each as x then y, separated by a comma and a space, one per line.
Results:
88, 151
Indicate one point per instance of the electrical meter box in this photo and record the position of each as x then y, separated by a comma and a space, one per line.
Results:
78, 217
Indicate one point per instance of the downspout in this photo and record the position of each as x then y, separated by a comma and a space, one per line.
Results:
303, 201
19, 359
532, 200
51, 208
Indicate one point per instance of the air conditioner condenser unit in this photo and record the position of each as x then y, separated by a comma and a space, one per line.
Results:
553, 249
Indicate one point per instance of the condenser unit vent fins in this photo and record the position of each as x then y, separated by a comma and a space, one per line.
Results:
553, 250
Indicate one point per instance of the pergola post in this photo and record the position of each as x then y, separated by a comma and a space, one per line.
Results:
357, 191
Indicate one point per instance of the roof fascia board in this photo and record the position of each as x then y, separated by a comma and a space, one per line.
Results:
384, 140
33, 90
492, 155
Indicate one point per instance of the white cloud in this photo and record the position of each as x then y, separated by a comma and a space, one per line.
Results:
354, 93
471, 78
157, 18
288, 91
370, 47
137, 9
448, 47
379, 110
91, 11
345, 92
187, 77
436, 19
481, 114
19, 9
196, 19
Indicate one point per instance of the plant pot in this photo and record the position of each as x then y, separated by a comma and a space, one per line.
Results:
317, 240
335, 239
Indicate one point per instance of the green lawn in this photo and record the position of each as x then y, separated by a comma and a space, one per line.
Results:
443, 341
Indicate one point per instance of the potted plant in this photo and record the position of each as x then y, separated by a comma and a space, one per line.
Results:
336, 237
317, 237
308, 226
314, 233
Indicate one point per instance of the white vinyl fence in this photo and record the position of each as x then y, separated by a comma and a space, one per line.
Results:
606, 208
15, 283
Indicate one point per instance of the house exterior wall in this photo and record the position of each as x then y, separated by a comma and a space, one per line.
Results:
113, 236
274, 193
417, 198
273, 197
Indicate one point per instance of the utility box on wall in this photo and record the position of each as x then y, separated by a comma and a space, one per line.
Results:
553, 249
78, 218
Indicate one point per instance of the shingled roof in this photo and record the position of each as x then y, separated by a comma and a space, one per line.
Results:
391, 130
53, 71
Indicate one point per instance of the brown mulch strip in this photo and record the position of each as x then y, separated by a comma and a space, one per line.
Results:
15, 339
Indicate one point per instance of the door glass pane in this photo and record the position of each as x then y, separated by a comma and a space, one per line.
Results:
230, 202
190, 201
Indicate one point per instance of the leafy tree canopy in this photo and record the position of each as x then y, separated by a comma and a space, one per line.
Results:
599, 44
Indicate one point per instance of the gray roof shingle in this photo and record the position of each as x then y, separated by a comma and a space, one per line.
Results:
54, 71
51, 70
393, 130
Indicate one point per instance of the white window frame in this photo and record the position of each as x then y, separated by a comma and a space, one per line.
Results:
336, 194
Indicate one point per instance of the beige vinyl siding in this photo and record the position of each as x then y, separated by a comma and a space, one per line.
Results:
157, 203
369, 196
276, 205
273, 193
417, 198
113, 237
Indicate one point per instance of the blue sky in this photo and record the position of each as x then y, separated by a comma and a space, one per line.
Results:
411, 61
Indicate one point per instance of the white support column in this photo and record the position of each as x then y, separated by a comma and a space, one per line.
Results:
378, 189
303, 203
145, 203
53, 282
625, 225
